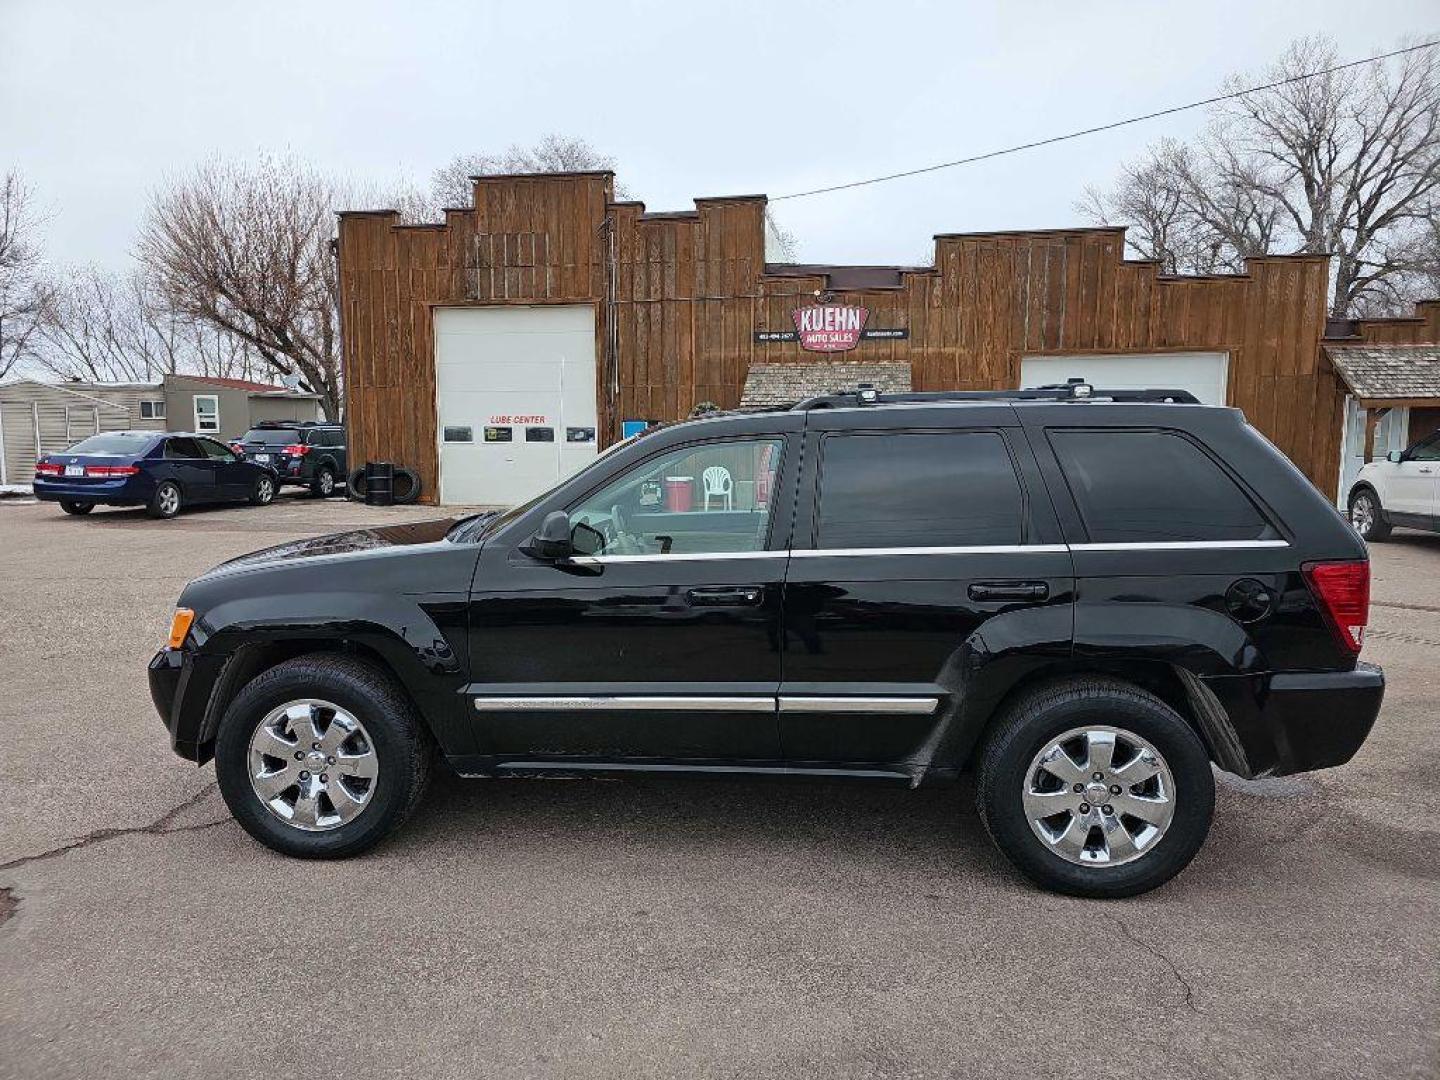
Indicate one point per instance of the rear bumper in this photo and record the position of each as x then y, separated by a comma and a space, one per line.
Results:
1294, 722
126, 491
180, 686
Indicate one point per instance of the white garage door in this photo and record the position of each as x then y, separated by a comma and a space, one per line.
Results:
1202, 373
515, 397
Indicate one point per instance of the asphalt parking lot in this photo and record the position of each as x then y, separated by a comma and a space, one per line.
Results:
664, 928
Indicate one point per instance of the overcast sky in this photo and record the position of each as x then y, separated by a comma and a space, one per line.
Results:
100, 100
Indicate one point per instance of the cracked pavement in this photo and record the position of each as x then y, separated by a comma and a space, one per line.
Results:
656, 927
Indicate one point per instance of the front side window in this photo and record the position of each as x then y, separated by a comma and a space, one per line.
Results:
712, 498
207, 412
1429, 450
215, 450
1153, 486
920, 489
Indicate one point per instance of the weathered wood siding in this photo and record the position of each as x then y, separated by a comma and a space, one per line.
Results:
678, 307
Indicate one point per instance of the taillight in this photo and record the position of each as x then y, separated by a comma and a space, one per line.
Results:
239, 448
1343, 589
45, 468
111, 470
295, 450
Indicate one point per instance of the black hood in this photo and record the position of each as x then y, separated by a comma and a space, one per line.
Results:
348, 543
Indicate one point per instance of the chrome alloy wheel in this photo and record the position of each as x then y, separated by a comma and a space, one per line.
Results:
1099, 796
313, 765
326, 482
265, 490
1362, 514
169, 500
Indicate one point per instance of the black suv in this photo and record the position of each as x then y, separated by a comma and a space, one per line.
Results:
1086, 596
309, 453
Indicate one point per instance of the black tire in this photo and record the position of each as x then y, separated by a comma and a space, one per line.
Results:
355, 485
401, 743
1040, 716
410, 491
263, 493
161, 505
79, 509
1367, 516
323, 485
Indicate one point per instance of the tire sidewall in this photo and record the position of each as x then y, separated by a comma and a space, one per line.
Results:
387, 736
260, 498
1375, 528
320, 486
1176, 742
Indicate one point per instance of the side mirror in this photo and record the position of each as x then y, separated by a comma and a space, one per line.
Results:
1395, 456
552, 540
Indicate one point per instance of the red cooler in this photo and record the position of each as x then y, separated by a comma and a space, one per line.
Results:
679, 493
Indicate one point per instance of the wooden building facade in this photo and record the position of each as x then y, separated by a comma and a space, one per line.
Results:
684, 303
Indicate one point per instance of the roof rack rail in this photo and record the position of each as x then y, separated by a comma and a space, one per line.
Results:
1074, 390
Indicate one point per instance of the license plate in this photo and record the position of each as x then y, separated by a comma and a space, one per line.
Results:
264, 459
74, 470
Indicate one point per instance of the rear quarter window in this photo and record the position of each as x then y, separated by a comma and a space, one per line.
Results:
1154, 486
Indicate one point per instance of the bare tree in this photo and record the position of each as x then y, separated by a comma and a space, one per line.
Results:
1345, 164
105, 327
450, 184
246, 249
22, 293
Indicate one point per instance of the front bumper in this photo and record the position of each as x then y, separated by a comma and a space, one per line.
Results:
181, 684
1291, 722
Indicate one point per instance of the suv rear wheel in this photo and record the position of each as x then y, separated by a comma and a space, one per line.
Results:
324, 483
1367, 517
1096, 788
322, 757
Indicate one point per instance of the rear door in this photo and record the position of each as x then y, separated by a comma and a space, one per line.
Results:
918, 550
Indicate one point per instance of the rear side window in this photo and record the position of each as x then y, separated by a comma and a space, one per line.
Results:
946, 489
1155, 487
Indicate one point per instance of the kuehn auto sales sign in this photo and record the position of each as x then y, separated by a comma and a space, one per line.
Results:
828, 328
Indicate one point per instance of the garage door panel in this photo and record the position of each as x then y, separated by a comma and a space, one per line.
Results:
1203, 374
516, 368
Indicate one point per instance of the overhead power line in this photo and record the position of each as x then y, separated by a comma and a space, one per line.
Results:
1102, 127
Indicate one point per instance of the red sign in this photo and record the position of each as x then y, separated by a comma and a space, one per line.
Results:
829, 327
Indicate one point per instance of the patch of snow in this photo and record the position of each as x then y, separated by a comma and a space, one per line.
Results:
13, 490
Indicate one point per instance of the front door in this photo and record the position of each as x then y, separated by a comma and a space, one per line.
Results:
660, 642
196, 472
234, 479
919, 555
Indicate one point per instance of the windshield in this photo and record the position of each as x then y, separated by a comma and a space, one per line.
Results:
118, 444
272, 436
474, 526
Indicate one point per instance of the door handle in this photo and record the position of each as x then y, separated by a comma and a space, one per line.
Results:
1425, 468
724, 596
1009, 590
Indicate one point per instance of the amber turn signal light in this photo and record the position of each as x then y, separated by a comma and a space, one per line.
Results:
180, 626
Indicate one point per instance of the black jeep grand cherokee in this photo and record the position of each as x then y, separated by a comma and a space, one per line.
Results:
1087, 596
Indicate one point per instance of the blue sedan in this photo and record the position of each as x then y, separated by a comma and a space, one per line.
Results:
161, 471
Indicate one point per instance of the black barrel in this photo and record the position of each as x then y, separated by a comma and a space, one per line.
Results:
379, 483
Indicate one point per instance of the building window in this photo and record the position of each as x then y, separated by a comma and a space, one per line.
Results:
152, 410
207, 412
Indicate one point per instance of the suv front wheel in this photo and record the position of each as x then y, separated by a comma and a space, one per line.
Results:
322, 756
1096, 788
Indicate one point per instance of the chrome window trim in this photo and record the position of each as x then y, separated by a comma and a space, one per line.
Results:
628, 703
974, 549
1181, 545
858, 704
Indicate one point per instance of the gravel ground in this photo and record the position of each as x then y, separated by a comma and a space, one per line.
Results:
664, 928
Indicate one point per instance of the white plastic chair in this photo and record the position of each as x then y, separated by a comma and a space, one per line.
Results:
718, 484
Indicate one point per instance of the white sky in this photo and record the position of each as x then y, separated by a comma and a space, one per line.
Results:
100, 100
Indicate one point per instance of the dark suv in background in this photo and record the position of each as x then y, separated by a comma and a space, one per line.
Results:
1086, 597
311, 454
